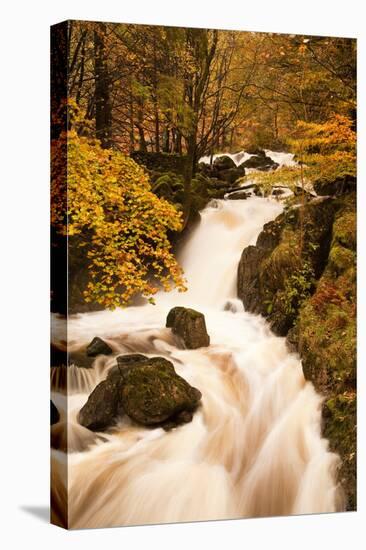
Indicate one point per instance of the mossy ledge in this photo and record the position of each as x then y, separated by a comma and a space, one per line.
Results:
305, 285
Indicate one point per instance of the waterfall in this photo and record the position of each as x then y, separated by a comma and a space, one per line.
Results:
254, 447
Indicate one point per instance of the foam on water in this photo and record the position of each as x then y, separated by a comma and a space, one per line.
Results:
254, 447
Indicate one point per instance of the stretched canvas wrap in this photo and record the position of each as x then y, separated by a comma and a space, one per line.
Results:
203, 237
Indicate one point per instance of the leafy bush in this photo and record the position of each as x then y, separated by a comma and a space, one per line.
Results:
114, 214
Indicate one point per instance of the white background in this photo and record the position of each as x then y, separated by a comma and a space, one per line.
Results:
24, 216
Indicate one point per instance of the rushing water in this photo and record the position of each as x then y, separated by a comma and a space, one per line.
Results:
254, 447
282, 159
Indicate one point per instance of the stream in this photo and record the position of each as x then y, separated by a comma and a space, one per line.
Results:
254, 447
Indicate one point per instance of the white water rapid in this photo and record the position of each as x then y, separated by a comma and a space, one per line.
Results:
254, 447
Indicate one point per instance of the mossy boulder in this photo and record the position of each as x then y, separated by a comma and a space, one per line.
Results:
260, 162
224, 163
148, 390
325, 335
103, 406
340, 428
190, 326
232, 174
152, 393
277, 274
238, 195
304, 283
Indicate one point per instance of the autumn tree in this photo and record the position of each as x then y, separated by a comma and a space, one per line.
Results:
114, 217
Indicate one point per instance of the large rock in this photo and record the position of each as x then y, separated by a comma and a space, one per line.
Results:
274, 277
256, 151
224, 163
103, 406
248, 282
98, 347
152, 393
231, 175
310, 297
238, 195
325, 335
260, 162
148, 390
190, 326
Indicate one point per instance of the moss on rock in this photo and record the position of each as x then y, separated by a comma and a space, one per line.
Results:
311, 298
189, 325
152, 392
325, 336
148, 390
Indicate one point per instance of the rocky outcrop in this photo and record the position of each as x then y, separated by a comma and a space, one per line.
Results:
304, 283
190, 326
148, 390
260, 162
98, 347
277, 274
224, 163
325, 336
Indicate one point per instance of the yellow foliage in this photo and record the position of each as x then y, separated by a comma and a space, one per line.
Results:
105, 200
327, 151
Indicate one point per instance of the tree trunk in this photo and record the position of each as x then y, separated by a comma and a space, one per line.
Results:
166, 140
103, 111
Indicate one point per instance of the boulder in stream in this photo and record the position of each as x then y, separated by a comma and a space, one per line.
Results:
260, 162
152, 393
224, 163
98, 347
148, 390
190, 325
103, 405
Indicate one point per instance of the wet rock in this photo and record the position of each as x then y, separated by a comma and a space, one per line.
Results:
248, 283
224, 163
232, 175
190, 326
238, 195
274, 277
124, 361
55, 415
131, 359
152, 392
184, 417
256, 151
260, 162
98, 347
103, 405
148, 390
